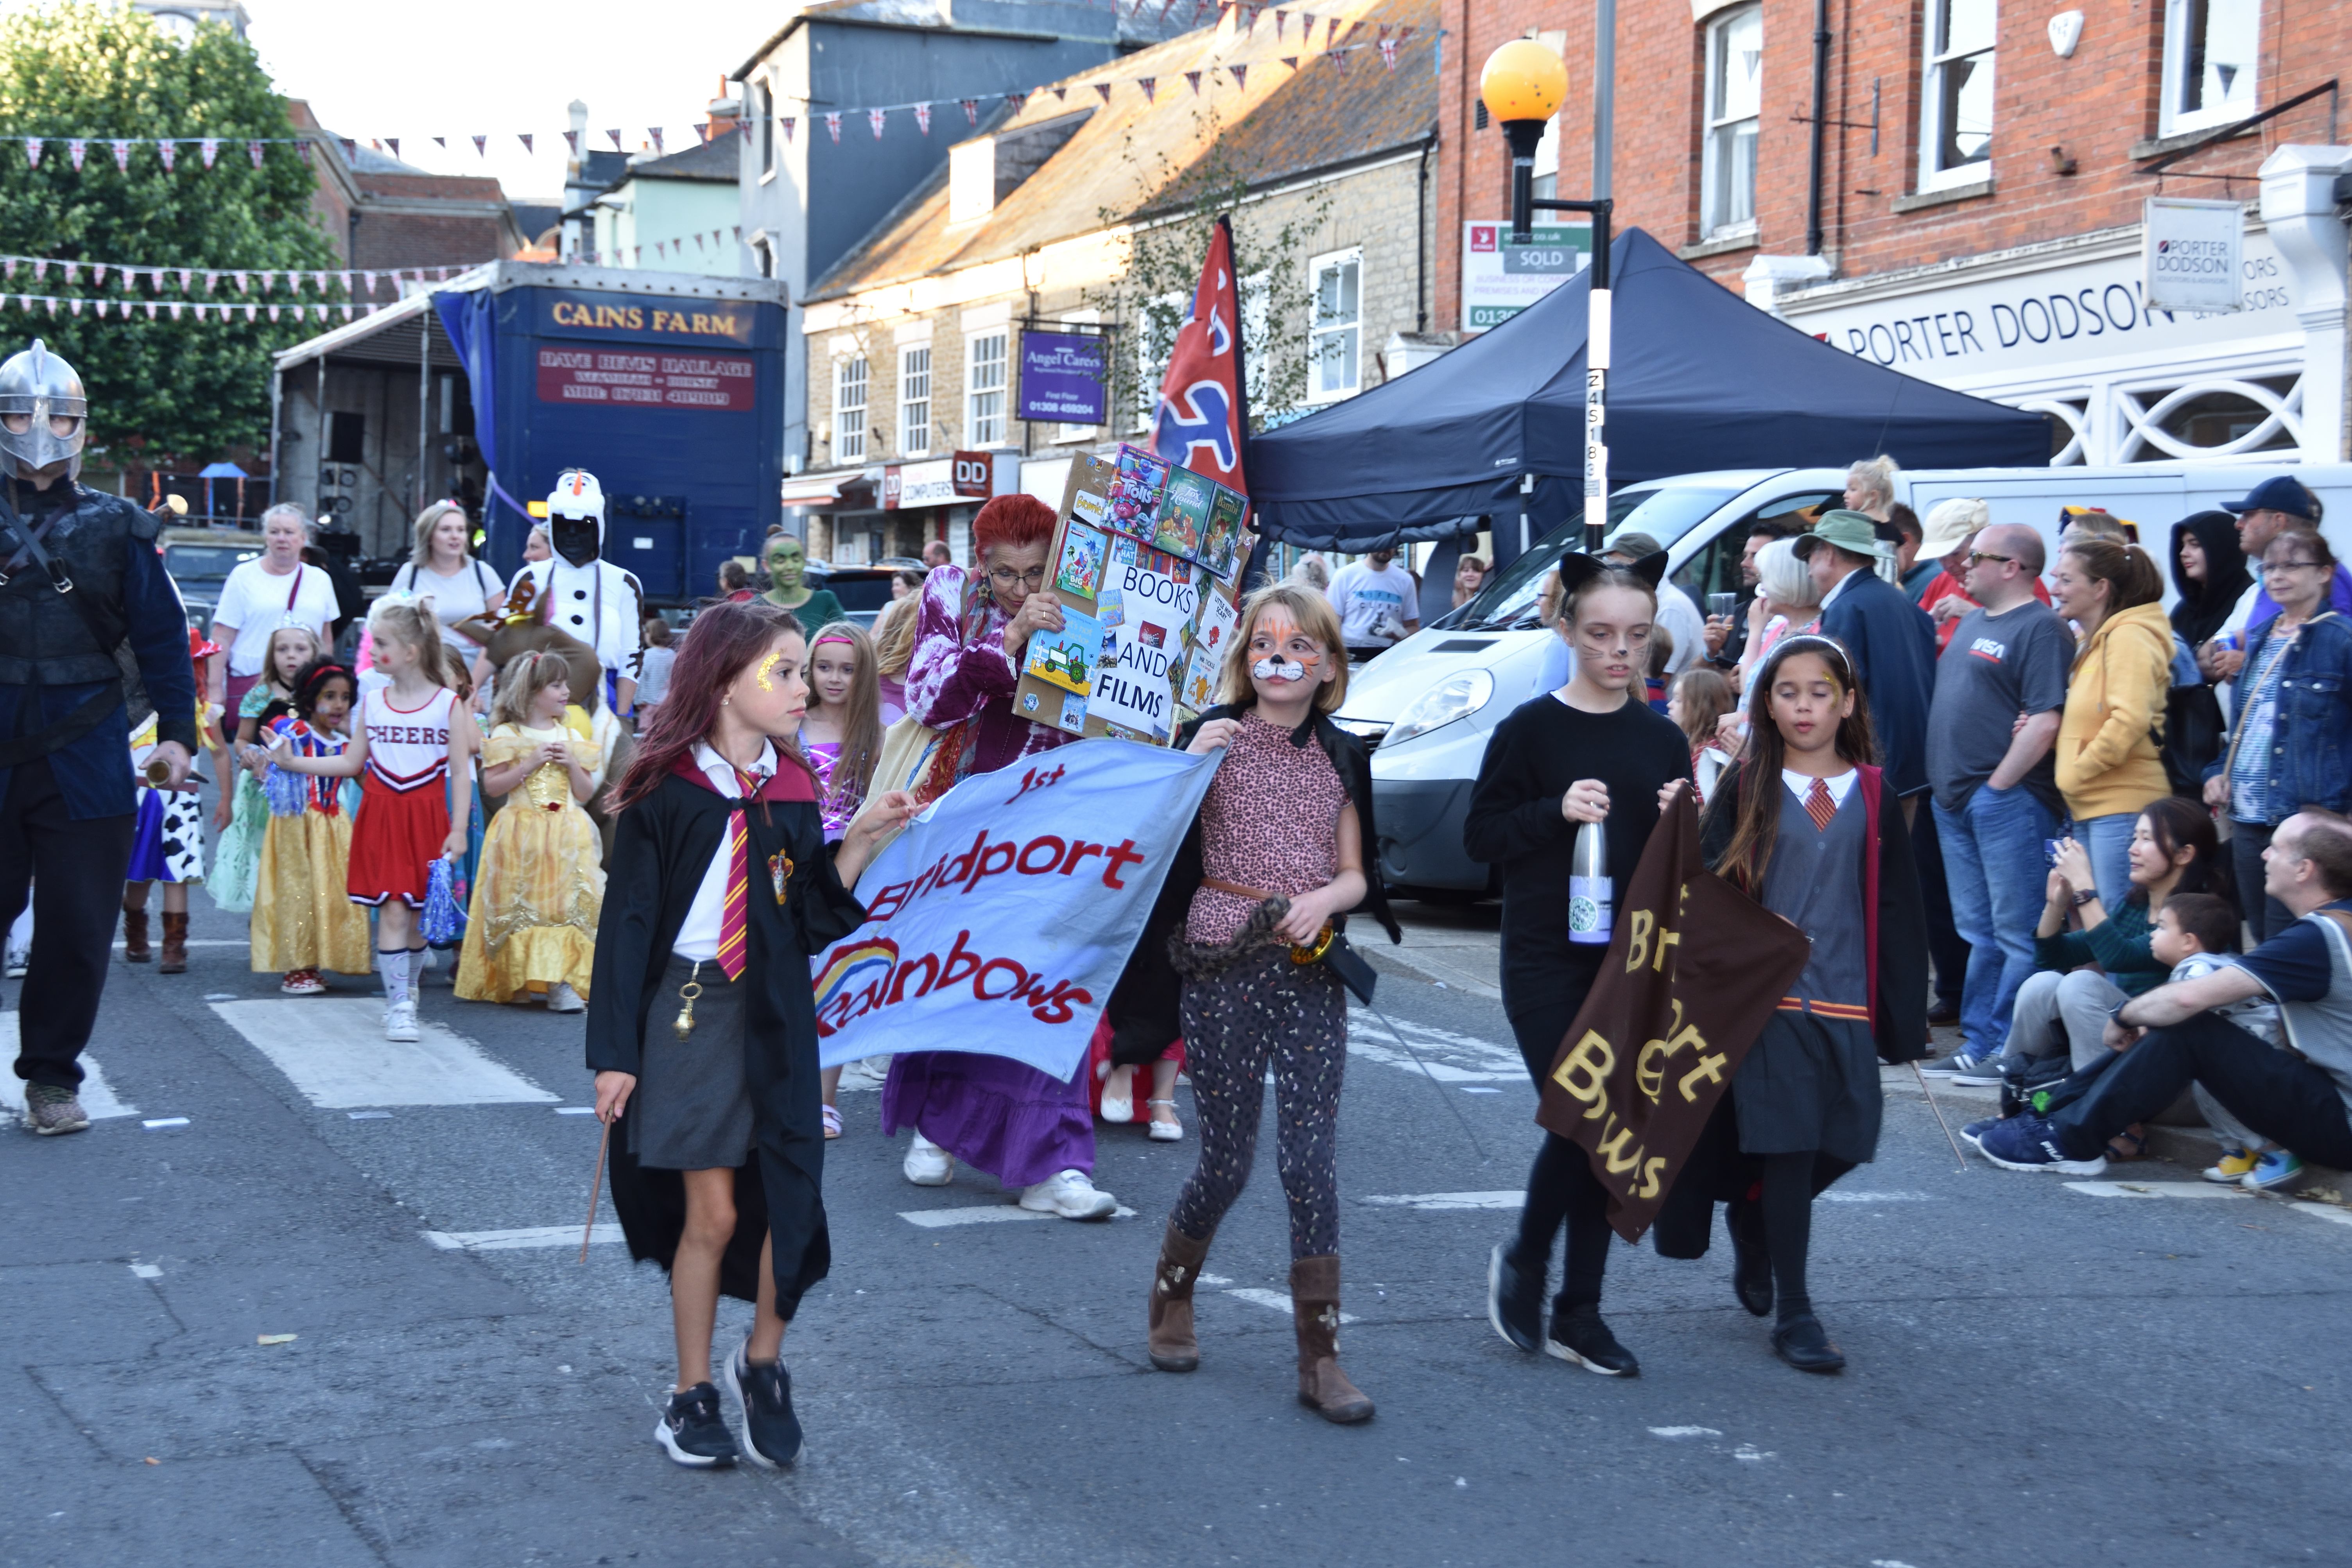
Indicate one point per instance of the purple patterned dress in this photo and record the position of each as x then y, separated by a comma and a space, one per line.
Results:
994, 1114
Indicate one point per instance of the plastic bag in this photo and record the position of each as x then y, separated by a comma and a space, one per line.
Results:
442, 922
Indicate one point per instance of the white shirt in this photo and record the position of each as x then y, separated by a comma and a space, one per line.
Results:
255, 603
1363, 596
455, 599
1680, 617
1801, 784
697, 938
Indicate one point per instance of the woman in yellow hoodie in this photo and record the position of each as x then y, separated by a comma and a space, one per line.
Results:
2109, 762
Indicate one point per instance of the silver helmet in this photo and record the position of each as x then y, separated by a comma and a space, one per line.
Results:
38, 388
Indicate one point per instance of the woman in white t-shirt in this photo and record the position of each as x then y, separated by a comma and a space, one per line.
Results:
274, 590
441, 569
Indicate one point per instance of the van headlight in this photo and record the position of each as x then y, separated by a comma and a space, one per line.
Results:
1455, 697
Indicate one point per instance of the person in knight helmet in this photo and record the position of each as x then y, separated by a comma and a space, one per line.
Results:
82, 581
586, 596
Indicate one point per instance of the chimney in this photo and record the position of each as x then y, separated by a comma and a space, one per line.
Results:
725, 113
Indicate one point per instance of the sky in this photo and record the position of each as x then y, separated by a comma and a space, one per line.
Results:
419, 69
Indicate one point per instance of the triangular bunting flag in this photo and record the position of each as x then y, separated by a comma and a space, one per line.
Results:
122, 146
524, 137
393, 143
76, 307
68, 269
442, 143
1290, 60
873, 118
702, 130
33, 152
1148, 84
1340, 57
481, 146
971, 110
253, 312
1330, 31
347, 312
1193, 78
616, 135
369, 278
788, 122
1240, 75
212, 283
187, 279
699, 247
1103, 88
1061, 95
1280, 17
833, 125
40, 271
176, 310
210, 148
77, 150
572, 139
163, 151
923, 117
655, 131
1388, 53
98, 275
1017, 99
150, 310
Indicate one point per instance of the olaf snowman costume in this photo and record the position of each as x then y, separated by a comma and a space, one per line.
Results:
583, 595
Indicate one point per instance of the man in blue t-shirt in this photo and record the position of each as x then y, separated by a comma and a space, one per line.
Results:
2300, 1097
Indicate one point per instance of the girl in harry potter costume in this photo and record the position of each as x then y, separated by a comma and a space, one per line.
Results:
1592, 751
1807, 827
701, 1014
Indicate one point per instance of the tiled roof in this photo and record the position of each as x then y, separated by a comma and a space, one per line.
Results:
1282, 124
717, 159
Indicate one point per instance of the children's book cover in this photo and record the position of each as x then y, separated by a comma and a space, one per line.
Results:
1183, 523
1135, 493
1083, 558
1226, 515
1214, 621
1200, 689
1066, 659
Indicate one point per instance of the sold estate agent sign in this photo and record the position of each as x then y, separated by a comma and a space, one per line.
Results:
999, 921
1499, 279
1063, 377
2193, 251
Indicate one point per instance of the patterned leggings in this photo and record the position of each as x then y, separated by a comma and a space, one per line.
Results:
1266, 1008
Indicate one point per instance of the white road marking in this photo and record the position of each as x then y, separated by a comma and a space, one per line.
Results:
165, 1122
1277, 1299
334, 1050
145, 1272
975, 1214
1214, 1280
1671, 1433
1448, 1056
1834, 1196
2325, 1211
370, 1115
1440, 1201
98, 1100
576, 1111
517, 1240
2159, 1190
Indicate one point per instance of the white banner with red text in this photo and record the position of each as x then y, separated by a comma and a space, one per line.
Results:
999, 921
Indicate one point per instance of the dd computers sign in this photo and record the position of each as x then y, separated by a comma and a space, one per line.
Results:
2193, 252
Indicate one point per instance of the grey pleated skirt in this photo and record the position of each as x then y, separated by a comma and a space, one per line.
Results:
1810, 1084
692, 1109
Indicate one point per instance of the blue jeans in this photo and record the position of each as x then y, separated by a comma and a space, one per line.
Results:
2107, 840
1994, 863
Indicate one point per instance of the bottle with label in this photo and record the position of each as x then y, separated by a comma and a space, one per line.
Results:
1592, 897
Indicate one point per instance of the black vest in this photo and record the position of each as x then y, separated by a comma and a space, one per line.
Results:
45, 639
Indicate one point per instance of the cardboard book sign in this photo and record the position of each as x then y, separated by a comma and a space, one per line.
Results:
1694, 971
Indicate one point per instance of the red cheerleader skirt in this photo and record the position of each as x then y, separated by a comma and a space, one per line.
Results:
395, 838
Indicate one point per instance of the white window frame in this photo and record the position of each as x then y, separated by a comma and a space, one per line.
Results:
1152, 357
1320, 334
914, 412
766, 128
986, 399
1935, 63
1723, 132
2171, 119
850, 373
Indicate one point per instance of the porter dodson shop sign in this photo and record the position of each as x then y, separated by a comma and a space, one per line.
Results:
2191, 254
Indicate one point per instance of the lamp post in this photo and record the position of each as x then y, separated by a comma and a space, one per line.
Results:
1522, 86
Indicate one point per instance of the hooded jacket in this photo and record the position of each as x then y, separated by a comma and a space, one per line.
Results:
2108, 761
2203, 607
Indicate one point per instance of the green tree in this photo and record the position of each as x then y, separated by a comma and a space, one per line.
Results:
189, 388
1167, 245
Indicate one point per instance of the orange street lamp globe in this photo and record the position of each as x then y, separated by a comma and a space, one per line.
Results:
1523, 81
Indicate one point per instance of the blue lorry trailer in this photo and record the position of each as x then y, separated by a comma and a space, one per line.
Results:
667, 386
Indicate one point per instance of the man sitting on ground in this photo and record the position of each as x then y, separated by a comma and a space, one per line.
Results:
2301, 1098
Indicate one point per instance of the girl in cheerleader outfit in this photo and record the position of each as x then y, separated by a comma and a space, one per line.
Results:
533, 923
302, 920
243, 816
412, 748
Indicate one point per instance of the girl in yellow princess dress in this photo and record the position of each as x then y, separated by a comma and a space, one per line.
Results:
532, 926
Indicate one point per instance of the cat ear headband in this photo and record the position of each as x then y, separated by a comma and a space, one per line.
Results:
1577, 568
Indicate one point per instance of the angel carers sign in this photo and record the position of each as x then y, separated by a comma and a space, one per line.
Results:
999, 921
1695, 969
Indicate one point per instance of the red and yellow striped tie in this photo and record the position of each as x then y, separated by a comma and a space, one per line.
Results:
732, 933
1820, 805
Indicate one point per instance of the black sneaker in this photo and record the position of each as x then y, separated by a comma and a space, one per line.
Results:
770, 1432
690, 1429
1514, 1300
1578, 1335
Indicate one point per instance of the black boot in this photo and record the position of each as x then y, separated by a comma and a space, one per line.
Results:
1578, 1334
1751, 1265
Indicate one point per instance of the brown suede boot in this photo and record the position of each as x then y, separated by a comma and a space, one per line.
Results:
134, 922
176, 944
1174, 1348
1315, 1314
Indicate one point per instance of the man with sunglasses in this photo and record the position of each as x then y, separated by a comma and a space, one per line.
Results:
1994, 782
81, 586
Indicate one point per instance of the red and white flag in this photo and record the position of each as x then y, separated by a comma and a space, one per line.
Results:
210, 148
1203, 412
923, 117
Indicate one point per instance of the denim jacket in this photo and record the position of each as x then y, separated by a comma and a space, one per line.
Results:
2311, 742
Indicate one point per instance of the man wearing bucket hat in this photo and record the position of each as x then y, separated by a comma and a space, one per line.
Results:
1890, 639
2267, 510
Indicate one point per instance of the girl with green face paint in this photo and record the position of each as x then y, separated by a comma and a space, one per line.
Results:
786, 560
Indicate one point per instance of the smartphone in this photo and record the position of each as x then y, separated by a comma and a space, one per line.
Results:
2049, 850
1722, 604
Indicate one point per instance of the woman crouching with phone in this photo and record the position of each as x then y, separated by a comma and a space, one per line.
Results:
702, 1019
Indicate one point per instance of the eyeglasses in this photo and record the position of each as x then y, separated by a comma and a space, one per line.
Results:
1006, 577
2269, 566
1977, 555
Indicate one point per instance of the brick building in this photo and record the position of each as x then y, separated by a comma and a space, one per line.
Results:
383, 213
914, 335
1980, 210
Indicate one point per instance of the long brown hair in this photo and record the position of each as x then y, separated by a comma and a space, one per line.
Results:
861, 724
721, 641
1758, 790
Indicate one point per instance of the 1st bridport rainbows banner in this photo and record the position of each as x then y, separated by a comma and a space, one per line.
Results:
999, 921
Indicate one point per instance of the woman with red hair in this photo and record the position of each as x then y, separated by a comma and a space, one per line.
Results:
1026, 1129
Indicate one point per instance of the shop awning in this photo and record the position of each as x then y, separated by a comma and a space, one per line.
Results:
1701, 380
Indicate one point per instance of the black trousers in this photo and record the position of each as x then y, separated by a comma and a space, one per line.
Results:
1945, 944
2275, 1092
74, 870
2265, 916
1562, 1192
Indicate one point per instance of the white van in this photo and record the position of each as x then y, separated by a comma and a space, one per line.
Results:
1427, 705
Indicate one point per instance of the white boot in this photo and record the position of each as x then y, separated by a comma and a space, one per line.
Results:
1071, 1196
928, 1164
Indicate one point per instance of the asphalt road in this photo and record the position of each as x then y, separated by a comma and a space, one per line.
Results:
2038, 1374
